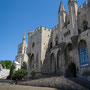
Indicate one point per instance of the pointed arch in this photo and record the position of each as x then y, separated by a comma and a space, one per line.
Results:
68, 52
83, 53
71, 70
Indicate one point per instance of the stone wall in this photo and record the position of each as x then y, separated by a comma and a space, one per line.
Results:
57, 49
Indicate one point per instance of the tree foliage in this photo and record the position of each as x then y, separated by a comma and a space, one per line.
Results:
19, 74
11, 71
6, 64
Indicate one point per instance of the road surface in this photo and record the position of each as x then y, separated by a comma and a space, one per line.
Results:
20, 87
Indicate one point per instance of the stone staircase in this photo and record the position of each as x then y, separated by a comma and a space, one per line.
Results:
4, 73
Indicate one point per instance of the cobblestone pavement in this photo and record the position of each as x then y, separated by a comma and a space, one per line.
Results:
20, 87
54, 82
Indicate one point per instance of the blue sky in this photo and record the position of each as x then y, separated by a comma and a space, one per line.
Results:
19, 16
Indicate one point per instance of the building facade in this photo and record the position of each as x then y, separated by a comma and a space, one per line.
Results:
64, 49
21, 54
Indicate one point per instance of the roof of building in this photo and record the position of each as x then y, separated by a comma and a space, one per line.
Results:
72, 0
61, 8
17, 63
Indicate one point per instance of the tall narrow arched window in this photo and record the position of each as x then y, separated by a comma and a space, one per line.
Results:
56, 40
33, 45
50, 45
32, 62
85, 25
83, 53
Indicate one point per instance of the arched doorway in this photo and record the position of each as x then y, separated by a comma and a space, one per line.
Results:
52, 63
71, 70
69, 58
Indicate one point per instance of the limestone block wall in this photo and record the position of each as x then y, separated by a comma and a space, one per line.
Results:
85, 69
39, 43
45, 37
34, 45
88, 16
82, 15
66, 34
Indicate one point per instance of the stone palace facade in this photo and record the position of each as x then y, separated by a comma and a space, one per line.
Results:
64, 49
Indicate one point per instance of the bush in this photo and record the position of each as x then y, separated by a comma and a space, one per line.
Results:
19, 75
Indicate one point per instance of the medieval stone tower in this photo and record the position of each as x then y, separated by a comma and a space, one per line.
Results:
21, 55
64, 49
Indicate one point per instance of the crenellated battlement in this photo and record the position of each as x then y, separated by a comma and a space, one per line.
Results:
50, 29
42, 28
85, 5
82, 7
69, 35
30, 32
79, 8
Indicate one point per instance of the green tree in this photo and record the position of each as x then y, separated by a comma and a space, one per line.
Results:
6, 64
19, 74
11, 71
